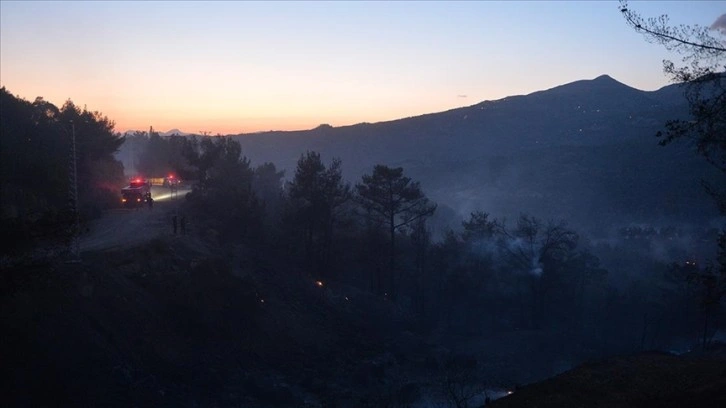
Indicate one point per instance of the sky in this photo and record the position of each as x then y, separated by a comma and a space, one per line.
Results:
233, 67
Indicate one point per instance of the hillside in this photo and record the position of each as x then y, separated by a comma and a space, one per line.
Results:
153, 318
172, 323
641, 380
584, 151
182, 321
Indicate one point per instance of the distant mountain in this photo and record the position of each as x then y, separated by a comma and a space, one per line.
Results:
173, 132
589, 112
583, 151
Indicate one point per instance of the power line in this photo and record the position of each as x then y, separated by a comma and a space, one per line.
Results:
75, 244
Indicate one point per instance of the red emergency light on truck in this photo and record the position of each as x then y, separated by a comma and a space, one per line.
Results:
136, 193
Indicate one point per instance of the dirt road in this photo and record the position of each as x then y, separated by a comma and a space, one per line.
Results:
123, 228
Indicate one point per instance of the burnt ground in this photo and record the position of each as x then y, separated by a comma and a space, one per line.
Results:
641, 380
150, 318
174, 322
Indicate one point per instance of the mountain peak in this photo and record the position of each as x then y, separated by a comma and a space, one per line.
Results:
602, 83
174, 131
604, 78
607, 80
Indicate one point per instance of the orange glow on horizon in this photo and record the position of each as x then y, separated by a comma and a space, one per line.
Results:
164, 114
282, 68
243, 125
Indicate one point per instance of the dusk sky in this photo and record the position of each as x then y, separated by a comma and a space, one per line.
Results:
231, 67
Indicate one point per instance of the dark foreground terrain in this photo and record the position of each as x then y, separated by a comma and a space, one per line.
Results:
642, 380
183, 321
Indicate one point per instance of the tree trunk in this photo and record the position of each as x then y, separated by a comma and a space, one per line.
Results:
392, 261
705, 331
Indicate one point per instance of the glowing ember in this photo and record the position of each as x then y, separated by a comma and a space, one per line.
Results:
319, 283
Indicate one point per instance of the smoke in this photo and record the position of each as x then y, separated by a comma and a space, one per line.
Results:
720, 24
526, 253
536, 269
505, 250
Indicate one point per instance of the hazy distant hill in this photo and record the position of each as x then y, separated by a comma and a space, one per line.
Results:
584, 151
173, 132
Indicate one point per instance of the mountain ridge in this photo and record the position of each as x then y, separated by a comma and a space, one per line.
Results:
487, 122
601, 81
584, 151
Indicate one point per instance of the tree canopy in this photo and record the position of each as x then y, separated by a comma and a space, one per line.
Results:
36, 160
317, 193
395, 201
703, 76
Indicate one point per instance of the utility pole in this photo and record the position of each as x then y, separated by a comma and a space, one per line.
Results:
75, 248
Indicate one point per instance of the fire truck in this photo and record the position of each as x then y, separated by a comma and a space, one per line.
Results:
168, 181
136, 193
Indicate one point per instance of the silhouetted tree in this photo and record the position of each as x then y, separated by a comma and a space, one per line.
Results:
478, 236
33, 141
267, 185
225, 187
420, 238
704, 81
478, 227
706, 289
154, 159
531, 246
317, 194
35, 163
460, 383
447, 264
532, 242
395, 200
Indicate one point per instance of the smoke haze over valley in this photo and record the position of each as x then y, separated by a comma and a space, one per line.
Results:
585, 152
